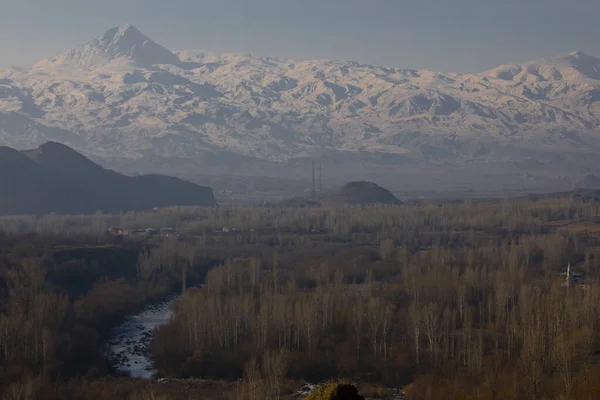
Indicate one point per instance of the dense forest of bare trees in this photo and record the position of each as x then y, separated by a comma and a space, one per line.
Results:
465, 299
60, 295
462, 301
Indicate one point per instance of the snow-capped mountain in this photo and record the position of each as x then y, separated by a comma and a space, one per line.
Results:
123, 95
124, 42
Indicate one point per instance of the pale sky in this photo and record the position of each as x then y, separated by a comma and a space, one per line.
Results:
441, 35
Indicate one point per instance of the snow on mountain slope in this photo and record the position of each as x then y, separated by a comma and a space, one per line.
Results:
573, 67
123, 42
124, 95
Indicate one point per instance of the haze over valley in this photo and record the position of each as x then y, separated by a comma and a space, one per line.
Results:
251, 124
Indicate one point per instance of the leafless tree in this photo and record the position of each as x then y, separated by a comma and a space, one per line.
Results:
274, 367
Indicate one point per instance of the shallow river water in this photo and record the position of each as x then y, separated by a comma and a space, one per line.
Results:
128, 342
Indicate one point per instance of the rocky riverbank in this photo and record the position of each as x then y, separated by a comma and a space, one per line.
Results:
128, 344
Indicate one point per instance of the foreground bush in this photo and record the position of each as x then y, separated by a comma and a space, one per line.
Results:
336, 391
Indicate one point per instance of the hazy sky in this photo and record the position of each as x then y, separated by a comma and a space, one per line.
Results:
444, 35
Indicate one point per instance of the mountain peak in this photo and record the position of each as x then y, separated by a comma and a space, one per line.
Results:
123, 42
123, 31
57, 154
573, 66
569, 58
580, 63
578, 54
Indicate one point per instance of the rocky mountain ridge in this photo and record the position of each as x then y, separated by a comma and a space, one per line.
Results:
124, 96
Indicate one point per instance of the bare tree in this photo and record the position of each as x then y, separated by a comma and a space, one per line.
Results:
253, 380
274, 367
416, 323
357, 321
532, 359
432, 324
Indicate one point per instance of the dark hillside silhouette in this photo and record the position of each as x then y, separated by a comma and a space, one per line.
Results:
352, 193
55, 178
359, 193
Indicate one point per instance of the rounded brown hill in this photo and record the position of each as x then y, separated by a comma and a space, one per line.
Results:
360, 193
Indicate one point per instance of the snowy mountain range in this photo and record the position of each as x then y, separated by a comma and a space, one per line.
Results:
124, 96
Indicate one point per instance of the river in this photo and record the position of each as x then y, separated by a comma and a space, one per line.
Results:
128, 343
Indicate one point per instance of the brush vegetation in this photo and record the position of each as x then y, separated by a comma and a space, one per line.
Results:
336, 391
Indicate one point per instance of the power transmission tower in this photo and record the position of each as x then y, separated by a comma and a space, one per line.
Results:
313, 189
320, 176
